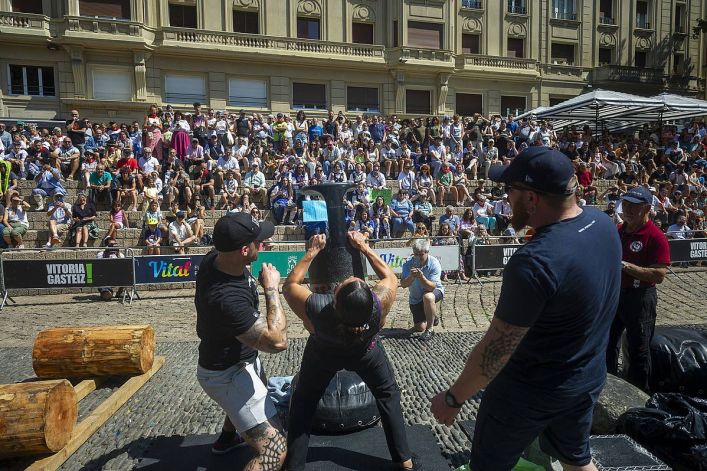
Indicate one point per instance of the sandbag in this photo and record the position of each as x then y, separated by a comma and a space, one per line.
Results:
673, 427
678, 361
346, 406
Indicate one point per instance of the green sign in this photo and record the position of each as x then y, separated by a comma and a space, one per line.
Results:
283, 261
386, 193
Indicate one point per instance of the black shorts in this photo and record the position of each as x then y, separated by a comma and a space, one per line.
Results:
510, 417
418, 310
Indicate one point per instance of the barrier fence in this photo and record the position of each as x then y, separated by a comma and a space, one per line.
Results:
132, 270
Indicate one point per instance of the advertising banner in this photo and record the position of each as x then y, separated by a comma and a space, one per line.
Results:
153, 269
688, 250
98, 272
448, 256
494, 257
283, 261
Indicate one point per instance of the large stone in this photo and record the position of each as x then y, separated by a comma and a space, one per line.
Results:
617, 397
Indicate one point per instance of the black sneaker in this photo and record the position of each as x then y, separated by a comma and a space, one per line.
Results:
227, 441
427, 335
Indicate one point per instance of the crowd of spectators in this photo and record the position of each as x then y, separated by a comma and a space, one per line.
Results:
188, 162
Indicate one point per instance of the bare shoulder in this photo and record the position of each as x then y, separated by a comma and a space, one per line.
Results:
386, 294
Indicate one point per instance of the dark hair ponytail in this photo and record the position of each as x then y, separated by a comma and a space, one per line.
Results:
355, 306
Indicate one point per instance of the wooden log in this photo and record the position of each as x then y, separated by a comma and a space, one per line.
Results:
79, 352
36, 417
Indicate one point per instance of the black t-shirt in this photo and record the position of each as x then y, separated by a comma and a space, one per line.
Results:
564, 285
330, 334
77, 138
226, 307
88, 210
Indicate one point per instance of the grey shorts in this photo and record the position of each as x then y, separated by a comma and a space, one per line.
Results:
240, 392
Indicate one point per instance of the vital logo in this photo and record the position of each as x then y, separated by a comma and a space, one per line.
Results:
69, 273
162, 269
392, 260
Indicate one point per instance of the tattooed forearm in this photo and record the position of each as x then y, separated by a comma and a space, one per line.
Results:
500, 343
274, 308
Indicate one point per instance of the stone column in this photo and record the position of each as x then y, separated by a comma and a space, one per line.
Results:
443, 91
399, 77
140, 59
78, 69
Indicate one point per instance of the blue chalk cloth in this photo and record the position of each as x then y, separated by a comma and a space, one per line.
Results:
314, 210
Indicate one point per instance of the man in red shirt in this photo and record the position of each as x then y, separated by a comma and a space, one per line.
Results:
646, 255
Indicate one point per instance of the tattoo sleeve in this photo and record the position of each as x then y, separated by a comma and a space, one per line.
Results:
386, 295
275, 316
270, 446
503, 338
267, 334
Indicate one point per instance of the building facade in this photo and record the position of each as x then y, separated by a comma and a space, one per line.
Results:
112, 58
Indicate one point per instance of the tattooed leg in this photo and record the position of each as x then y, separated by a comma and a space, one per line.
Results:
270, 445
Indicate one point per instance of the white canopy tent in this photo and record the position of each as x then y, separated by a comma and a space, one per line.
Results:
670, 107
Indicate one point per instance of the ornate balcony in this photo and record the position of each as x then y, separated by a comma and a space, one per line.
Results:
624, 73
564, 71
477, 62
25, 24
186, 37
430, 56
92, 28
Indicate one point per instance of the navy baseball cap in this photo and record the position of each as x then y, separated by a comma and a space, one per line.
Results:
236, 230
638, 195
540, 168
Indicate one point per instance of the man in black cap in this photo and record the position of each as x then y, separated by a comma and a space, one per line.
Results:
646, 254
232, 331
542, 358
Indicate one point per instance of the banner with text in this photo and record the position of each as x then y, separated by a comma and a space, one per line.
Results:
448, 256
99, 272
493, 257
688, 250
153, 269
284, 261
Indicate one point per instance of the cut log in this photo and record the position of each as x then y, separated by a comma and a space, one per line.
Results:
80, 352
36, 417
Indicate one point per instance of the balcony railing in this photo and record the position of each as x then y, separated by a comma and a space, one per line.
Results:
642, 23
476, 60
565, 15
255, 41
23, 20
435, 55
606, 20
477, 4
85, 24
564, 69
626, 73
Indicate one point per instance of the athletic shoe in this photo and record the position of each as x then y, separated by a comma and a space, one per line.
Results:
427, 335
227, 441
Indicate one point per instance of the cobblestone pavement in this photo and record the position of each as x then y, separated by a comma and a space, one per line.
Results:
156, 413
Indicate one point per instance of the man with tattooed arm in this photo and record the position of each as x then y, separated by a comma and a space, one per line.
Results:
542, 360
232, 331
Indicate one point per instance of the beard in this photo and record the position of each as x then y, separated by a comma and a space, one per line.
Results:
519, 218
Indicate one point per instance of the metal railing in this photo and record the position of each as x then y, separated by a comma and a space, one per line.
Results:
564, 15
477, 4
606, 20
642, 23
517, 7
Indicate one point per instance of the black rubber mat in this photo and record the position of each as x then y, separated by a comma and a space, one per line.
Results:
361, 451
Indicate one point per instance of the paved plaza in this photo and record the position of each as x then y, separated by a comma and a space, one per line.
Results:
172, 410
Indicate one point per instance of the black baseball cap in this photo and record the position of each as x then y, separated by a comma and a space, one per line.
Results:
236, 230
638, 195
541, 168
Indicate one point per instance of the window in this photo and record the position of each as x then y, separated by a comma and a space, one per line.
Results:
471, 43
180, 88
564, 10
606, 12
514, 105
678, 64
642, 15
680, 18
30, 80
516, 47
110, 83
247, 93
27, 6
105, 8
362, 99
517, 6
468, 104
311, 96
182, 16
362, 33
471, 4
563, 54
639, 59
395, 33
245, 22
425, 35
418, 101
606, 56
308, 28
